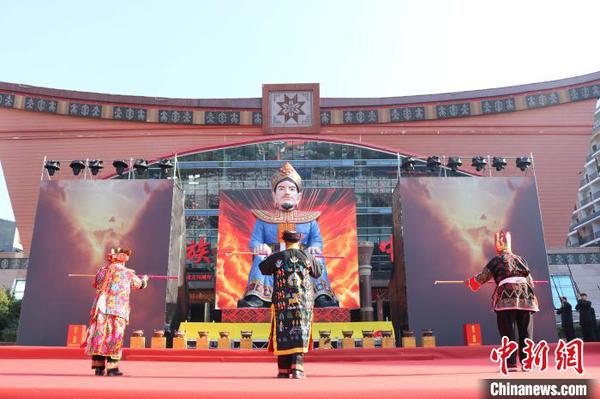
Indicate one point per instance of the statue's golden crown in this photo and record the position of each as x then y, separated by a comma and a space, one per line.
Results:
287, 171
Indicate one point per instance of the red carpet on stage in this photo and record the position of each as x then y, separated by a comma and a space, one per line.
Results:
443, 372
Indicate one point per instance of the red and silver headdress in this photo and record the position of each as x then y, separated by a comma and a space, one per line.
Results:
502, 241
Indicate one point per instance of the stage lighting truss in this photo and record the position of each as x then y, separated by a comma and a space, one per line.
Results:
80, 168
123, 168
435, 164
413, 166
52, 166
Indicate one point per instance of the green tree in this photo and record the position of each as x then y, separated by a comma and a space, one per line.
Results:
10, 310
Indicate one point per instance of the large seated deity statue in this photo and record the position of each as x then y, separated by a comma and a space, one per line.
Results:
267, 237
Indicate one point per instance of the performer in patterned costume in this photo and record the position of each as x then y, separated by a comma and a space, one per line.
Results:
266, 238
514, 301
110, 312
291, 327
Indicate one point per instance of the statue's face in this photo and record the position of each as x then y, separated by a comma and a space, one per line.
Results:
286, 196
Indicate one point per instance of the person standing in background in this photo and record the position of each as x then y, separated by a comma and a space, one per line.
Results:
566, 318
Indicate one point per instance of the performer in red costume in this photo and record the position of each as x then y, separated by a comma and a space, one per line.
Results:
110, 312
514, 301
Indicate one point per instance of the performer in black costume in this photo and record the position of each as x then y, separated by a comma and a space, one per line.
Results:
293, 301
514, 301
566, 318
587, 318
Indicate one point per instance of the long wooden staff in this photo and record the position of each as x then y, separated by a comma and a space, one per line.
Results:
150, 276
436, 282
263, 254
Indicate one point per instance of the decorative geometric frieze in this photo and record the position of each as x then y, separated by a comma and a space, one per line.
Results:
294, 108
360, 117
41, 105
584, 93
257, 118
85, 110
498, 106
291, 108
173, 116
130, 114
221, 118
7, 100
456, 110
542, 100
575, 258
13, 263
407, 114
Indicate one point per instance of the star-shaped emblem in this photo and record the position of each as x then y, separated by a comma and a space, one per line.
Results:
291, 108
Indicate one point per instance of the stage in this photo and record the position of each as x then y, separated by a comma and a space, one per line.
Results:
452, 372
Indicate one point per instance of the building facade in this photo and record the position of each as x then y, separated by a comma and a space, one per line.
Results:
8, 236
585, 223
356, 143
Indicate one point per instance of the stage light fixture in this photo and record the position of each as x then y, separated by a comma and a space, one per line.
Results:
408, 163
479, 163
140, 165
165, 164
499, 163
433, 162
95, 166
52, 166
77, 165
454, 163
120, 166
523, 163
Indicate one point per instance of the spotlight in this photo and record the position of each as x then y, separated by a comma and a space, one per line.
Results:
499, 163
433, 162
479, 163
77, 165
165, 165
454, 163
95, 166
408, 163
52, 166
140, 165
523, 163
120, 166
